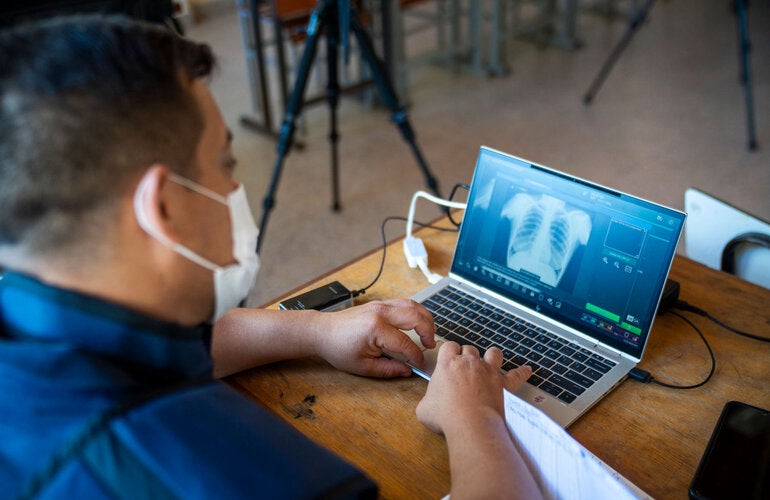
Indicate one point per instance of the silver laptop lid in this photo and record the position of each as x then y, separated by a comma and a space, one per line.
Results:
585, 256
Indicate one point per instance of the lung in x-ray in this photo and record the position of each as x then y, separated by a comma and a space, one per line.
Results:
544, 235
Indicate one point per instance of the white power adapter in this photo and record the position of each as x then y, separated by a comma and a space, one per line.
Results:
414, 248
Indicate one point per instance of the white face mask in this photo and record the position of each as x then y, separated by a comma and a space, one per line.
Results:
232, 283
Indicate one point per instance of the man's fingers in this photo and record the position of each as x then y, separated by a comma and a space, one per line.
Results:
407, 314
450, 348
401, 347
407, 310
517, 377
494, 357
388, 368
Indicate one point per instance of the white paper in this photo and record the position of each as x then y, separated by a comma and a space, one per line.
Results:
562, 467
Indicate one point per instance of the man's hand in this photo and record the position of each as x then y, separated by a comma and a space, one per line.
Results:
464, 401
354, 339
465, 386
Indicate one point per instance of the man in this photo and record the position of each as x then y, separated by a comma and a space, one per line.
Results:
124, 237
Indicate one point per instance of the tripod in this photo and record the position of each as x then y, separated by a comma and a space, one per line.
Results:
325, 18
740, 7
638, 19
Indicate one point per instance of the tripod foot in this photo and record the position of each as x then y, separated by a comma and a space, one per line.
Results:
753, 145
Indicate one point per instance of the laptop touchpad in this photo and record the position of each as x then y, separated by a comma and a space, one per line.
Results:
431, 356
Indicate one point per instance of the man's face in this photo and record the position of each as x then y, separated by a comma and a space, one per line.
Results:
207, 230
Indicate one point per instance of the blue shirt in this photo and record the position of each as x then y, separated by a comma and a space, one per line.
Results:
66, 358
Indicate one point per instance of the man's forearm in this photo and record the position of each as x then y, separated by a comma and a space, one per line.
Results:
485, 463
245, 338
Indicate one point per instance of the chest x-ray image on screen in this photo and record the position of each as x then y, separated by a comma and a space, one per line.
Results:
544, 235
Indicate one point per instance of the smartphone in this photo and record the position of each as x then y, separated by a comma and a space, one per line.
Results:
736, 462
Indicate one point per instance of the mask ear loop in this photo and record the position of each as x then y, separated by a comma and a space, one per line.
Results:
141, 199
194, 186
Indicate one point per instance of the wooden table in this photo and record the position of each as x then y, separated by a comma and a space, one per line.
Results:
652, 435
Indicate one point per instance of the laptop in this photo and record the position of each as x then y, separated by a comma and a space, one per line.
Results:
558, 272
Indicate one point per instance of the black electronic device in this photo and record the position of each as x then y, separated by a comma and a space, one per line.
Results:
329, 297
736, 462
669, 296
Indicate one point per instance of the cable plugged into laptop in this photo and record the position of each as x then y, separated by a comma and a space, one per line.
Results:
640, 375
670, 302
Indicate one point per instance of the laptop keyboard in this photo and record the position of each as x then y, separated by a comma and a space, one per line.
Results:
559, 367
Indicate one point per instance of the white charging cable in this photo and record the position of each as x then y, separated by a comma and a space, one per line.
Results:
414, 249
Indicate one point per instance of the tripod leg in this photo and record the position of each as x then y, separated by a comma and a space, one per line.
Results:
745, 47
333, 97
293, 110
388, 95
636, 21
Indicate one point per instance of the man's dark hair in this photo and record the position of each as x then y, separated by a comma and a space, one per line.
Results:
87, 103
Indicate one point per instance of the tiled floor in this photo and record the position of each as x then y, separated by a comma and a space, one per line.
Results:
671, 115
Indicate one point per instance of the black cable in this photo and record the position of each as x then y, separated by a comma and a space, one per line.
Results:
711, 355
684, 306
646, 377
363, 290
451, 196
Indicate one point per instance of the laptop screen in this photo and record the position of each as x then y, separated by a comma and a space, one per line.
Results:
584, 255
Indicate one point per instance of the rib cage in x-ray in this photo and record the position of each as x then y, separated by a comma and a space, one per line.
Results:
544, 235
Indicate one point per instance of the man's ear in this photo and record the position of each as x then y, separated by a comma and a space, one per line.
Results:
150, 205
